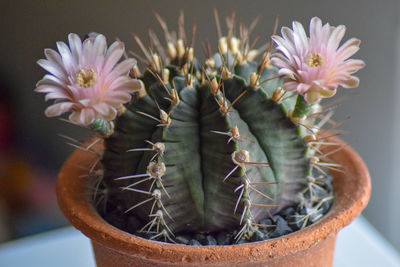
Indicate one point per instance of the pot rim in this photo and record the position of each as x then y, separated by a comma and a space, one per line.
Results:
351, 188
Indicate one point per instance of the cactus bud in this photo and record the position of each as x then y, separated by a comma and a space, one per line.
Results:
251, 55
234, 45
214, 86
159, 147
235, 133
174, 97
156, 62
135, 72
121, 110
210, 62
181, 48
239, 59
171, 50
278, 94
165, 120
223, 106
266, 61
190, 54
254, 80
142, 92
223, 45
226, 74
165, 75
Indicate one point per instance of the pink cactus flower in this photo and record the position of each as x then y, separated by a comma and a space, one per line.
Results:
86, 80
315, 67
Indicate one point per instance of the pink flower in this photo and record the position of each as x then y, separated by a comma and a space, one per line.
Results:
316, 66
86, 80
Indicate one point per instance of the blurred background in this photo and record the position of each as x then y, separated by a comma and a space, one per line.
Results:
32, 152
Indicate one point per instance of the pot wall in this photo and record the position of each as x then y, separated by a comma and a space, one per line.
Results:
317, 256
312, 246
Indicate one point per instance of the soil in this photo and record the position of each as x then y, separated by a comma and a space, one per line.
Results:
286, 221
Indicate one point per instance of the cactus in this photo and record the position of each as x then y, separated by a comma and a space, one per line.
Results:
218, 146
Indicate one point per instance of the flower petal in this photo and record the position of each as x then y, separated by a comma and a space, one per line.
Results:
87, 116
300, 38
352, 65
117, 98
51, 80
99, 50
335, 38
327, 93
58, 109
53, 68
57, 94
113, 55
350, 82
312, 96
67, 58
75, 45
74, 117
106, 111
348, 49
124, 67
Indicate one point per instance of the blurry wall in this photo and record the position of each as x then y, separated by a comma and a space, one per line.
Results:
27, 27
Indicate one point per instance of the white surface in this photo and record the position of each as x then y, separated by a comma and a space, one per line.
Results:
357, 245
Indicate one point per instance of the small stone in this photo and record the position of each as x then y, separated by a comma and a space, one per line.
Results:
287, 212
304, 211
281, 228
266, 236
316, 215
194, 242
184, 239
257, 236
320, 192
326, 206
224, 238
294, 221
201, 238
266, 221
307, 195
211, 241
327, 185
145, 235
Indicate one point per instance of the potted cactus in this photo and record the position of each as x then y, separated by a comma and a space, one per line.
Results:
222, 153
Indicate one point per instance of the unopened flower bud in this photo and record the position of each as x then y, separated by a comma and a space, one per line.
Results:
223, 45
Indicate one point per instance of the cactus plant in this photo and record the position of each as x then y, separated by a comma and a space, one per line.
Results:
214, 146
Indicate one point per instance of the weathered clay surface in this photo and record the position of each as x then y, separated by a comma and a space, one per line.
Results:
312, 246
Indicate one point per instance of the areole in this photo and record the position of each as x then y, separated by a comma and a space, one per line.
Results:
312, 246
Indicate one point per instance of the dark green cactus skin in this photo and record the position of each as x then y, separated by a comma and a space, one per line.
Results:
197, 159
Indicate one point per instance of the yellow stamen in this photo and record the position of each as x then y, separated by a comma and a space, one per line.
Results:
86, 77
315, 59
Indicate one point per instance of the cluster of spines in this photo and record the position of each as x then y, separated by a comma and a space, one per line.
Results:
240, 157
182, 56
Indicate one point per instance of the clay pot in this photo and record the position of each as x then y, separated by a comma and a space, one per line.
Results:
312, 246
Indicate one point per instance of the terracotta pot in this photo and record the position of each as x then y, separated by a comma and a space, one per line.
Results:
312, 246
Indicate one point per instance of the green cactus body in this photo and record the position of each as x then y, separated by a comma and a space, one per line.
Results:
202, 150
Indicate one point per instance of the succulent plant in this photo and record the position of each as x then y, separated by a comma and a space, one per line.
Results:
220, 145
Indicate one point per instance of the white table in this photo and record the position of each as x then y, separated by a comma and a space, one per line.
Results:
359, 244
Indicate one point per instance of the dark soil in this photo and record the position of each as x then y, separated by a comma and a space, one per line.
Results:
286, 221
